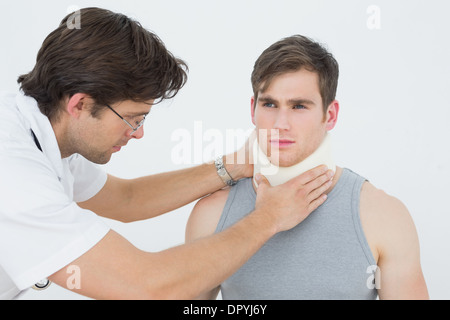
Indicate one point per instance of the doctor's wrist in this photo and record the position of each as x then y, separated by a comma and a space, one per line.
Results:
237, 167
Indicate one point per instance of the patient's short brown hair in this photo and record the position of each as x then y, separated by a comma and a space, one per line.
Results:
110, 57
292, 54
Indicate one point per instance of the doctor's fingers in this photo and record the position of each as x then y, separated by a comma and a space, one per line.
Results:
308, 177
320, 185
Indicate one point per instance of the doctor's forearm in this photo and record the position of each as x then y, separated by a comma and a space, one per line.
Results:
147, 197
115, 269
158, 194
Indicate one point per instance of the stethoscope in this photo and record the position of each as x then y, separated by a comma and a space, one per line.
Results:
42, 285
45, 283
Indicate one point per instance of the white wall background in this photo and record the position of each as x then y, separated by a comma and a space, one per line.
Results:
393, 91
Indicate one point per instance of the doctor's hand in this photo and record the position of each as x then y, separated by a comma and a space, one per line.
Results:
290, 203
240, 163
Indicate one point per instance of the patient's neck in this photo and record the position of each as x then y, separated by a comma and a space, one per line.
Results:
279, 175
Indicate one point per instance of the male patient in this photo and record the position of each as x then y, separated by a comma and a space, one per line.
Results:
360, 244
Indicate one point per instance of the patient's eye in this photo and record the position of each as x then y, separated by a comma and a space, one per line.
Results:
269, 105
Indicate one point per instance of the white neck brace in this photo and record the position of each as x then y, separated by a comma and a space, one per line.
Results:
279, 175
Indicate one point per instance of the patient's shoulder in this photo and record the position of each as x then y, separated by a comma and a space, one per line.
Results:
386, 221
206, 215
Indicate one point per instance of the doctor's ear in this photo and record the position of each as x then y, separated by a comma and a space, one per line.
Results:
77, 103
331, 115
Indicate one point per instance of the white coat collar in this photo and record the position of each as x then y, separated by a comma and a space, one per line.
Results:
42, 128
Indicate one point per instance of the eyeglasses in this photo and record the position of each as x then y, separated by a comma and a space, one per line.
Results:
139, 124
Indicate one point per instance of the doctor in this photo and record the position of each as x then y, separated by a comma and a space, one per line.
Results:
88, 95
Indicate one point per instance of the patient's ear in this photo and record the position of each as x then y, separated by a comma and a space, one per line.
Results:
252, 105
331, 115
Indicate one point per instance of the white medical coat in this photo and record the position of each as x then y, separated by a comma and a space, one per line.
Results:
42, 229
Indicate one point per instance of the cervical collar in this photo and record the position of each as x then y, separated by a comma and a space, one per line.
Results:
279, 175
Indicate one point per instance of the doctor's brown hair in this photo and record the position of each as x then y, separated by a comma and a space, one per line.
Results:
292, 54
110, 57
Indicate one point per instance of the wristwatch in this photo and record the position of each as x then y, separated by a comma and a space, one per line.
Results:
223, 173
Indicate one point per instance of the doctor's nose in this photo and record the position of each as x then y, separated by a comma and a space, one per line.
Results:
138, 134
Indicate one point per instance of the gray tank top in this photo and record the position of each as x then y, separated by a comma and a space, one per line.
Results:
324, 257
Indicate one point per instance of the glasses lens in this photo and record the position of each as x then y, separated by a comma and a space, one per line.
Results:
139, 126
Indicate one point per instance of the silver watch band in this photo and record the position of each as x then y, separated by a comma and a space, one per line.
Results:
223, 173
